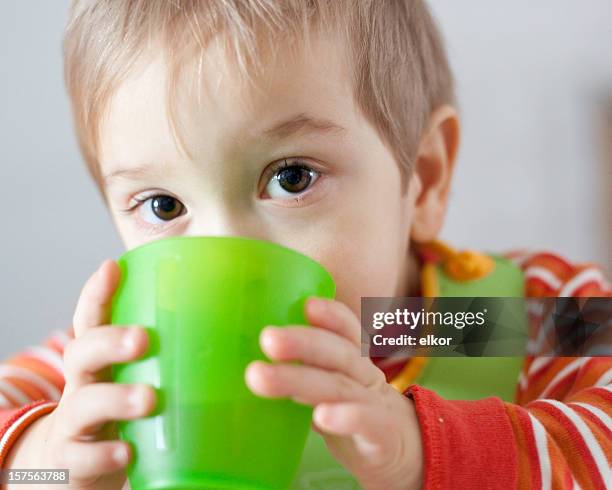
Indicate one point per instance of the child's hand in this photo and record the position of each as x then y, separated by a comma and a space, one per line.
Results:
368, 426
79, 433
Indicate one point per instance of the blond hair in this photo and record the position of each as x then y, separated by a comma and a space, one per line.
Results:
400, 72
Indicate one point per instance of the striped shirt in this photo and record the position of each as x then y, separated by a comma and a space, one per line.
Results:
556, 434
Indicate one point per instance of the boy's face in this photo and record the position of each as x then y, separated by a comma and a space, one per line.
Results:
339, 200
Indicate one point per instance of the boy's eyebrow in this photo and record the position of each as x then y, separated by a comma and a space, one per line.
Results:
300, 123
127, 173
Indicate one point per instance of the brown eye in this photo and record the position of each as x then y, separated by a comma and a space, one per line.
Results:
166, 207
294, 178
290, 180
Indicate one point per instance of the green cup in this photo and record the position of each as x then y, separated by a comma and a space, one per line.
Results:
204, 302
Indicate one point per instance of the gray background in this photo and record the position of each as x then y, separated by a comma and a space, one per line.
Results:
531, 78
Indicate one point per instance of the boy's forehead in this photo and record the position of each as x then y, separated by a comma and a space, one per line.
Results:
219, 110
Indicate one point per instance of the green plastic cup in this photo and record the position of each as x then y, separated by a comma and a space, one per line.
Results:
204, 301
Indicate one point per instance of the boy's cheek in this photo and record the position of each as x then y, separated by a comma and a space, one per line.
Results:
365, 269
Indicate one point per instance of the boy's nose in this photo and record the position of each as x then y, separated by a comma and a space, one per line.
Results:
224, 223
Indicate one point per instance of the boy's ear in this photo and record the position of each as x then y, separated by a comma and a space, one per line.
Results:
432, 173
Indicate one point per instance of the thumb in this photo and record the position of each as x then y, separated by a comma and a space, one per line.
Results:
93, 307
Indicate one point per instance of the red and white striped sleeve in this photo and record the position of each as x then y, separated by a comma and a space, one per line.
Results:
557, 434
31, 384
563, 415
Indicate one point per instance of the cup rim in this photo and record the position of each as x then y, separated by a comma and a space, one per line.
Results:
165, 240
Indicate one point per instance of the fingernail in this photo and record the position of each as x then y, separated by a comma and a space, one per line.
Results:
323, 415
100, 267
266, 336
120, 454
261, 366
135, 398
318, 304
129, 340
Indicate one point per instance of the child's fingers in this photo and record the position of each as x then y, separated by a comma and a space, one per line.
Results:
92, 459
93, 307
98, 348
320, 348
86, 410
303, 384
335, 316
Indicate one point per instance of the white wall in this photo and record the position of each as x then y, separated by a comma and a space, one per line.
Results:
54, 229
530, 169
529, 74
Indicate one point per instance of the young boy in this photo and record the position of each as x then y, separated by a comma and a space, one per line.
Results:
327, 127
